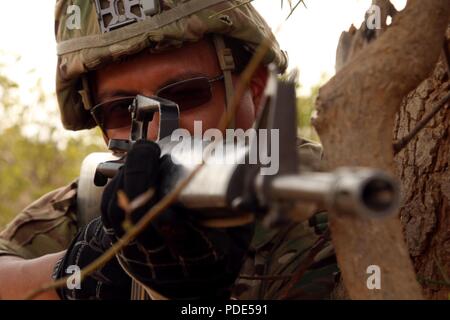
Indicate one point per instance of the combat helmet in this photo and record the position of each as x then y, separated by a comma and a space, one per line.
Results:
92, 33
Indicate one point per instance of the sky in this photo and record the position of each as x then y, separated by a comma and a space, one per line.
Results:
310, 36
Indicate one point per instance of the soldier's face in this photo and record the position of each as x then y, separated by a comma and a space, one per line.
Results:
146, 73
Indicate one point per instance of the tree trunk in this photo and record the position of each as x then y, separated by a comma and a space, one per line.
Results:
423, 166
356, 113
425, 174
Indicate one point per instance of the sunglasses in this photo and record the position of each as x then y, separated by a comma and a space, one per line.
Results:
187, 94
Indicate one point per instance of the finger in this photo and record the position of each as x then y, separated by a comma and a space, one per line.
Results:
109, 203
141, 168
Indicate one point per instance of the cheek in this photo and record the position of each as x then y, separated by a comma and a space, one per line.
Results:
246, 113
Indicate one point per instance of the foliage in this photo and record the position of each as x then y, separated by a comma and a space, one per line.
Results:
30, 168
305, 110
292, 6
32, 165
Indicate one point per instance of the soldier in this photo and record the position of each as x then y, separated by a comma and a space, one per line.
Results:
191, 52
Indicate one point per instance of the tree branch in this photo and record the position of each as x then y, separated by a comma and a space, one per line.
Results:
356, 113
403, 142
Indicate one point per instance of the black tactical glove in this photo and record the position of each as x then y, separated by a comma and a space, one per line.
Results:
175, 256
108, 282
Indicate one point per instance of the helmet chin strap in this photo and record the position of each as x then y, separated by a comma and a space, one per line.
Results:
227, 65
85, 93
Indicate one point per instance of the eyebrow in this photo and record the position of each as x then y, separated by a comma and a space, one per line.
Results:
118, 93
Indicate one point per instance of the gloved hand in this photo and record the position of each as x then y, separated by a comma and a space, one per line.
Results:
108, 282
175, 256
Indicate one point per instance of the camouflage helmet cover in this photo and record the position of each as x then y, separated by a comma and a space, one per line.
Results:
92, 33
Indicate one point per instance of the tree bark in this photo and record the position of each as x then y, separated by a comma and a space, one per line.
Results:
355, 120
423, 167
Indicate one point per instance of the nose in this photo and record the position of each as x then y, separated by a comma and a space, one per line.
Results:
153, 128
119, 133
124, 132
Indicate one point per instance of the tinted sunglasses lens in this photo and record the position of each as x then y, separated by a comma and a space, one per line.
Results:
188, 94
113, 114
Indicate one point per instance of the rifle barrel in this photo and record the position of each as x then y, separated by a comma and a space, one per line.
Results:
362, 191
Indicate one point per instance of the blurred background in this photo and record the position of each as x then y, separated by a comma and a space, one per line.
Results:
38, 155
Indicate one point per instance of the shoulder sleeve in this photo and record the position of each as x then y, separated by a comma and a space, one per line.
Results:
294, 262
298, 263
46, 226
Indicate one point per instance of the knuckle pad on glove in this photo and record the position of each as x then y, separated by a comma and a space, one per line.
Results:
108, 282
141, 168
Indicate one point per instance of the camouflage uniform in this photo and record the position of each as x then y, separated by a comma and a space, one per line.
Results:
275, 256
298, 257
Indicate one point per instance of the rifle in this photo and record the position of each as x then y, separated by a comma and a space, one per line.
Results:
234, 193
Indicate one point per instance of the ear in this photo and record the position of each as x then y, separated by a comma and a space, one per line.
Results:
258, 85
